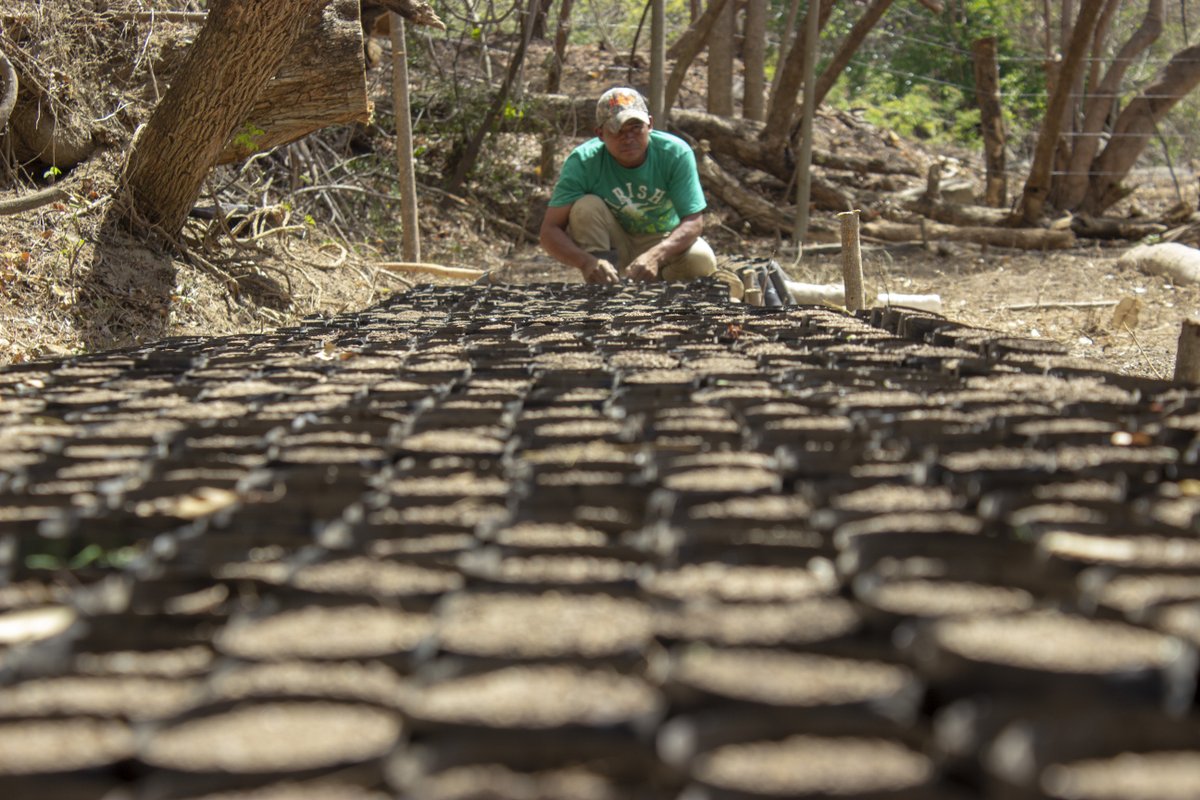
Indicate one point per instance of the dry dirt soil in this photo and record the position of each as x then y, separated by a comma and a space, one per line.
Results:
61, 293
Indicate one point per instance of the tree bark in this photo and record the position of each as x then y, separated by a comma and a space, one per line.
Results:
1187, 353
547, 168
1100, 105
808, 113
991, 117
658, 57
239, 49
1037, 186
782, 107
754, 59
764, 217
1134, 127
321, 82
685, 50
785, 41
8, 98
720, 63
958, 214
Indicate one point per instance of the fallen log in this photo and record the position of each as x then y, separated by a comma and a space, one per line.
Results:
1016, 238
1171, 260
764, 217
958, 213
1108, 228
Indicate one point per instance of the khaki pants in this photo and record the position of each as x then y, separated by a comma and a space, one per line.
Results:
594, 228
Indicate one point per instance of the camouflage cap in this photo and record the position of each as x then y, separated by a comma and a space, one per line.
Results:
617, 106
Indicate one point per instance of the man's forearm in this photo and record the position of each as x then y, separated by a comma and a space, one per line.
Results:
563, 249
677, 242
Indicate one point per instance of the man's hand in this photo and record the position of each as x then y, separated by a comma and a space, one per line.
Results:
601, 272
644, 267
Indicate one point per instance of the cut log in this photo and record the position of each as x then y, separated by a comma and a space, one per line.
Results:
1172, 260
1106, 228
1016, 238
958, 213
852, 273
1187, 355
322, 82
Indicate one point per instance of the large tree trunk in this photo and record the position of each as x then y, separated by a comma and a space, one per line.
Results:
991, 118
240, 48
754, 57
321, 82
685, 50
782, 107
547, 168
720, 64
1134, 127
1037, 186
1101, 103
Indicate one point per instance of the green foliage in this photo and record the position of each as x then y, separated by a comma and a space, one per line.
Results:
914, 74
247, 139
614, 23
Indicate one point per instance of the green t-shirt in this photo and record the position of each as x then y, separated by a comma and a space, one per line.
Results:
650, 198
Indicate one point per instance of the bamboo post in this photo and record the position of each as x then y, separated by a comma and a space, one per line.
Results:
852, 275
410, 229
812, 30
1187, 356
658, 61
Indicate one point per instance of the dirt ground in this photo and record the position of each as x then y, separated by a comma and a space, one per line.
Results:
61, 293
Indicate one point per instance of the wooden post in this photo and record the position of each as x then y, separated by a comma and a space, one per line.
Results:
658, 60
852, 275
812, 29
410, 229
991, 117
1187, 357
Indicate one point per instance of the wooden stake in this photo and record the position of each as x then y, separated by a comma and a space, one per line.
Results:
1187, 356
410, 229
431, 269
852, 276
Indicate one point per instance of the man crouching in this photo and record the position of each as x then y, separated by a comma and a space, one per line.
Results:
629, 202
